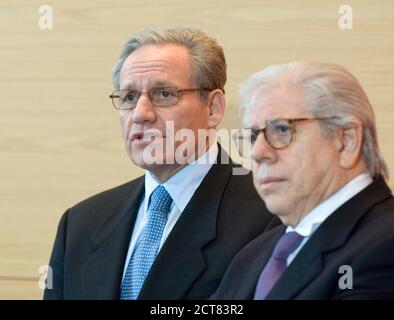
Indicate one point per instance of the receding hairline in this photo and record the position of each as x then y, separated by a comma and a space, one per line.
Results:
206, 56
285, 93
186, 51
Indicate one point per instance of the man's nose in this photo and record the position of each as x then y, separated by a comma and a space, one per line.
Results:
144, 111
262, 151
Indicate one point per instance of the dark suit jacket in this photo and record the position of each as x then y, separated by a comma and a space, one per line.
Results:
359, 234
90, 249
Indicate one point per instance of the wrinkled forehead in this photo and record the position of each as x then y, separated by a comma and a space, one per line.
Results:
156, 63
280, 103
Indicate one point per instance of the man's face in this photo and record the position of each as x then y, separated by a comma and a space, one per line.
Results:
159, 66
294, 180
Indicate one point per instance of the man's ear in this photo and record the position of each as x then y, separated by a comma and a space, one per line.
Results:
216, 107
351, 145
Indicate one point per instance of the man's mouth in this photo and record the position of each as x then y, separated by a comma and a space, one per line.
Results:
145, 136
137, 136
269, 181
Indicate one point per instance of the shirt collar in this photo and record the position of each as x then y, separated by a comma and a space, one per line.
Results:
319, 214
184, 183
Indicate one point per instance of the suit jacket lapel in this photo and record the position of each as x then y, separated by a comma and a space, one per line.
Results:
102, 273
331, 235
305, 267
180, 260
248, 287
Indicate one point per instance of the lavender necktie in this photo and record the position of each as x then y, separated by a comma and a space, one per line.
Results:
276, 264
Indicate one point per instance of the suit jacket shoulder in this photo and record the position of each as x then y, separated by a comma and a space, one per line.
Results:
98, 209
358, 238
82, 229
90, 248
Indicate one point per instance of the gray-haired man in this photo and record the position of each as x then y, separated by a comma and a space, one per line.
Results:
171, 233
317, 166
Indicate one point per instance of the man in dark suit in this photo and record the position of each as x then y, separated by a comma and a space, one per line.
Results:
171, 233
317, 165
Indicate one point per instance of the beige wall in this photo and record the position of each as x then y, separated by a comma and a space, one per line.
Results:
59, 136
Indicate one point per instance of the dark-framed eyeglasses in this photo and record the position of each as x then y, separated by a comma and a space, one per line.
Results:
278, 133
126, 99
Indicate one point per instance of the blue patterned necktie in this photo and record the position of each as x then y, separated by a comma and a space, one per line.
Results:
277, 263
147, 247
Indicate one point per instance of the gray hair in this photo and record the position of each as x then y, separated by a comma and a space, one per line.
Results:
207, 59
330, 91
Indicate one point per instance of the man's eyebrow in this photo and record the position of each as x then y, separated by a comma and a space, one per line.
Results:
128, 86
255, 128
161, 83
157, 83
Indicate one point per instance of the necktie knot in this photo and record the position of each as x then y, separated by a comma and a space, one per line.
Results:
160, 201
287, 244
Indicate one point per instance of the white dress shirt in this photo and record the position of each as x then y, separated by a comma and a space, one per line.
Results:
308, 225
181, 188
